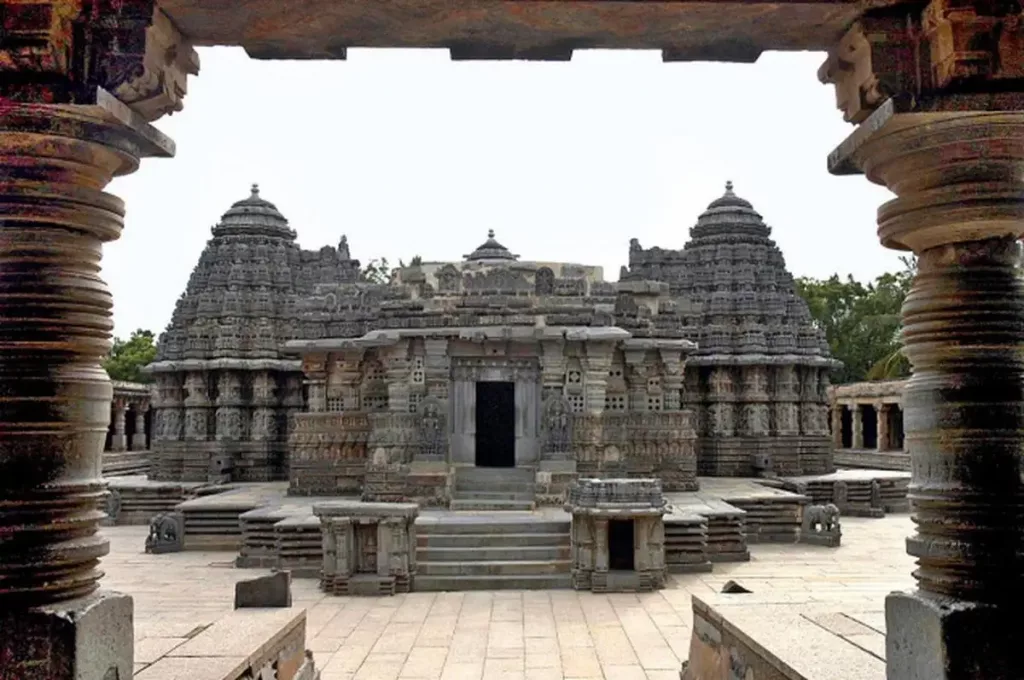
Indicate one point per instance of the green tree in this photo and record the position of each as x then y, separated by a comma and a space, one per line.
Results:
862, 322
377, 271
128, 357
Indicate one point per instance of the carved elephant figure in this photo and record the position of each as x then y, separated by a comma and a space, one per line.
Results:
821, 518
166, 533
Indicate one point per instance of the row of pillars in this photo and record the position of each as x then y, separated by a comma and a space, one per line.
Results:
874, 426
129, 426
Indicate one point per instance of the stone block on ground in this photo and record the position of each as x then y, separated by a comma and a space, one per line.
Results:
89, 638
274, 590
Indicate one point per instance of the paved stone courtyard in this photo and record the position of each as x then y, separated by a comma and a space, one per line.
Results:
536, 635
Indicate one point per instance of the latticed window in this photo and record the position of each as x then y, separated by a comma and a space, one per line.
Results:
654, 383
375, 402
615, 402
574, 377
414, 402
577, 403
418, 374
335, 404
654, 403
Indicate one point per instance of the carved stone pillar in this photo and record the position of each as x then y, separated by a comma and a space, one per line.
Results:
857, 426
636, 379
396, 367
197, 406
881, 426
139, 437
55, 325
672, 380
118, 440
960, 208
599, 360
437, 367
837, 426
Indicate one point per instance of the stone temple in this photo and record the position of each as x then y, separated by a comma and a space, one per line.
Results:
491, 372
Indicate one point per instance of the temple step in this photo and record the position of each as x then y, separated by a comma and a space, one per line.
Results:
478, 504
508, 541
476, 552
457, 583
485, 525
494, 495
493, 568
529, 553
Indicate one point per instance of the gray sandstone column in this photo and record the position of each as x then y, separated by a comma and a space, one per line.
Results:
857, 426
881, 426
139, 437
960, 208
837, 426
118, 440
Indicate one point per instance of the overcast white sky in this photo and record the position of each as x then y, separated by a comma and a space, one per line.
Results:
410, 154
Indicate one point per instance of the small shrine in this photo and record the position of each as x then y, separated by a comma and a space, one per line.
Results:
618, 535
369, 548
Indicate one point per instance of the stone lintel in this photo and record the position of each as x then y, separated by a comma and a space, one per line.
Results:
360, 510
89, 638
763, 359
223, 364
659, 344
934, 638
655, 288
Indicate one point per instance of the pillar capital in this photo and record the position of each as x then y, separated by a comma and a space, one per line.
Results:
956, 175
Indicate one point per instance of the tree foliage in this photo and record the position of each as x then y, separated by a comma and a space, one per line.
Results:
127, 357
862, 322
380, 271
377, 271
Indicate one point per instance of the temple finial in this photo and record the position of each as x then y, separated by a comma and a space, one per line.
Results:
728, 186
490, 233
255, 190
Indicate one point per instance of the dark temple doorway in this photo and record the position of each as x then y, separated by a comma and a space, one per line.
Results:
620, 545
495, 424
847, 428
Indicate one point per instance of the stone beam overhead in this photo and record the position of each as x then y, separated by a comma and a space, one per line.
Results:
515, 29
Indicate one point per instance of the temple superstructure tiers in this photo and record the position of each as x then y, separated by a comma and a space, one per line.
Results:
223, 391
457, 376
758, 380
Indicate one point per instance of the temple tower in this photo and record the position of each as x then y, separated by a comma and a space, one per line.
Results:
758, 379
224, 394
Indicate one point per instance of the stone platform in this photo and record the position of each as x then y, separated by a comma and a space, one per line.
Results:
531, 634
868, 493
137, 499
872, 459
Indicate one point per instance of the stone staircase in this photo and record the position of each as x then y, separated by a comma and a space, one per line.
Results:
488, 489
480, 552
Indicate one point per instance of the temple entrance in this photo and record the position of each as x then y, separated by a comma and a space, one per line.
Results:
869, 420
495, 424
620, 545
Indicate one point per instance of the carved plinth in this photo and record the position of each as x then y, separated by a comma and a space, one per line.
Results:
369, 548
960, 208
605, 511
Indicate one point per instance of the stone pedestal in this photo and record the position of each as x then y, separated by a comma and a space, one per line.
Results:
369, 548
960, 208
596, 506
88, 638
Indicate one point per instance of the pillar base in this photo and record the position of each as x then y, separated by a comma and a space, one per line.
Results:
933, 638
89, 638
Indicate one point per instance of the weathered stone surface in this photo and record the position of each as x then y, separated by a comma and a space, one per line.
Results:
89, 638
758, 380
274, 590
595, 504
369, 548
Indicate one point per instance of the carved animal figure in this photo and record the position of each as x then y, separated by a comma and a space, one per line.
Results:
821, 518
165, 534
